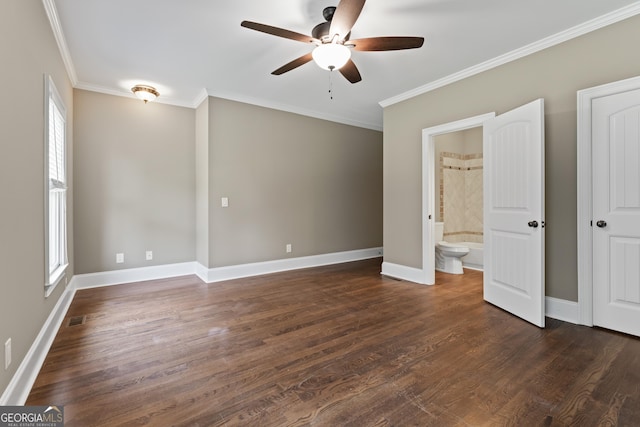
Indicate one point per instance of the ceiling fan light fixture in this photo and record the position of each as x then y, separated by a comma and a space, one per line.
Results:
331, 56
145, 93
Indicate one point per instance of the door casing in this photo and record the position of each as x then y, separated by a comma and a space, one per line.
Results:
428, 187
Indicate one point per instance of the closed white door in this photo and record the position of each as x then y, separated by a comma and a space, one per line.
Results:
616, 211
514, 211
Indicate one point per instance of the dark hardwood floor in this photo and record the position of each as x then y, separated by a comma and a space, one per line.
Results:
331, 346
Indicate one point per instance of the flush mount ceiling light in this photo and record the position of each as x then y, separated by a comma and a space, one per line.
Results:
145, 93
331, 56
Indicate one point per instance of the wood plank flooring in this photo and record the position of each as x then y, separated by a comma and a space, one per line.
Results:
331, 346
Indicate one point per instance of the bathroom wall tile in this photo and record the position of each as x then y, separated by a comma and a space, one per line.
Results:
473, 163
454, 200
473, 200
461, 196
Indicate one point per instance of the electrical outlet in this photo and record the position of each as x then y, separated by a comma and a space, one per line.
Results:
149, 255
7, 353
224, 202
119, 258
288, 248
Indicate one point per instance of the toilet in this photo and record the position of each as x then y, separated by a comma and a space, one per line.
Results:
448, 254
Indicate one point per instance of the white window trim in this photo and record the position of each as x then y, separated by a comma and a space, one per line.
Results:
54, 278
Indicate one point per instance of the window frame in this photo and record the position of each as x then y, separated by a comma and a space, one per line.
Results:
55, 188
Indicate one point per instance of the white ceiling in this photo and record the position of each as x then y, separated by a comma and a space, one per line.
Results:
187, 47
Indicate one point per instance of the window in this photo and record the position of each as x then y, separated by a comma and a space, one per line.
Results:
56, 182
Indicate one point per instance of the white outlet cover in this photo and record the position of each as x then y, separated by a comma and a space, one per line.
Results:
149, 255
224, 202
119, 258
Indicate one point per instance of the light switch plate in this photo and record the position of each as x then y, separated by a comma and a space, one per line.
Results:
7, 353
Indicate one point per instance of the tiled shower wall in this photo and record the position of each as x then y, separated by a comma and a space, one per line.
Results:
461, 196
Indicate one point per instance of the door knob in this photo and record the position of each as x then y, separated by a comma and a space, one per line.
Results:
533, 224
601, 224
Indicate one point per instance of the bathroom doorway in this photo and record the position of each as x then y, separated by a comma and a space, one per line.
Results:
459, 192
432, 208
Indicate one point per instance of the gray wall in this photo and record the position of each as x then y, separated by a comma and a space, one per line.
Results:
28, 51
150, 177
555, 74
135, 182
290, 179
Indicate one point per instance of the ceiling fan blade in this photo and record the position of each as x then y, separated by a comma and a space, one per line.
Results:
293, 64
386, 43
350, 72
280, 32
345, 16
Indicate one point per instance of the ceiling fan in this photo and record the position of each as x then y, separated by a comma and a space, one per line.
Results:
333, 46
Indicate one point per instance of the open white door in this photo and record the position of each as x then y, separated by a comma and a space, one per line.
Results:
616, 211
514, 211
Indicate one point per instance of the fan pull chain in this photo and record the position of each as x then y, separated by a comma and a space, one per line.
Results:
331, 83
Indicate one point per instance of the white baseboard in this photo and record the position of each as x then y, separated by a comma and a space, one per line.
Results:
218, 274
403, 272
561, 309
555, 308
115, 277
18, 389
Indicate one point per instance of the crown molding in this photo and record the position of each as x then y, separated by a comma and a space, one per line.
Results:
52, 14
295, 110
128, 94
204, 94
563, 36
